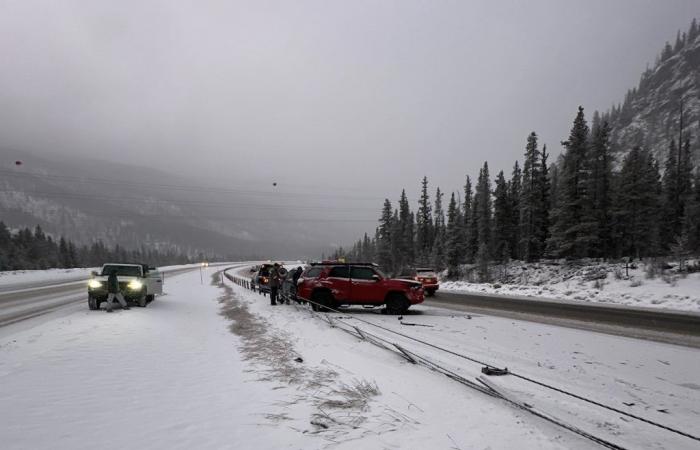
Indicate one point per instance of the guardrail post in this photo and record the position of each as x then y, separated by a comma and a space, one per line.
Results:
405, 354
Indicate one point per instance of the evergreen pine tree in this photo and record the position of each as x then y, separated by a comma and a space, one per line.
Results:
671, 227
679, 42
470, 235
438, 252
529, 201
601, 178
63, 253
544, 204
573, 231
424, 224
5, 247
396, 244
483, 212
406, 245
515, 193
637, 205
667, 52
502, 218
384, 236
452, 238
693, 31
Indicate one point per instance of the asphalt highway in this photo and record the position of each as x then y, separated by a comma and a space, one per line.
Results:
645, 323
35, 300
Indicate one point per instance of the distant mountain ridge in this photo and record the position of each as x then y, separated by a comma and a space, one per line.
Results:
85, 200
649, 116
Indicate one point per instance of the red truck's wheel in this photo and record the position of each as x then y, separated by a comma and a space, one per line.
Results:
323, 301
396, 304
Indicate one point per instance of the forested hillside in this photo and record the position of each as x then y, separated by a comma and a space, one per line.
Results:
625, 186
34, 249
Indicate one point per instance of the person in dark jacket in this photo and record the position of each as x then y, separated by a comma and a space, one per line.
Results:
295, 278
113, 292
274, 283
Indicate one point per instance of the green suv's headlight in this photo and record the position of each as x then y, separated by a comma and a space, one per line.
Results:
135, 285
94, 284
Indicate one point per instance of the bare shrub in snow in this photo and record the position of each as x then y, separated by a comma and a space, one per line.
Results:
652, 268
670, 278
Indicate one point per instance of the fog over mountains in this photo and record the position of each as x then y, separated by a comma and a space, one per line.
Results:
85, 200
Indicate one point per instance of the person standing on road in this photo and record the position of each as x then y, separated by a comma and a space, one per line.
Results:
295, 279
114, 292
274, 283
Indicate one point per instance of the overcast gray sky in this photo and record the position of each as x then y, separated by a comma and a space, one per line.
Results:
371, 93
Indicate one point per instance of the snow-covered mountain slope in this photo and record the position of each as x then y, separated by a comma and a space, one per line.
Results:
650, 114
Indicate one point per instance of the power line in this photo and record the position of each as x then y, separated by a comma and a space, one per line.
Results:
323, 191
151, 200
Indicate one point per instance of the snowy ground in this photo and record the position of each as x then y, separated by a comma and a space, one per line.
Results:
20, 278
599, 282
212, 367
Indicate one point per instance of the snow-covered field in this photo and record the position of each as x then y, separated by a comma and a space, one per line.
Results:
218, 367
19, 278
600, 282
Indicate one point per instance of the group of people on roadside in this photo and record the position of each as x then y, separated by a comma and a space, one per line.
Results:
287, 281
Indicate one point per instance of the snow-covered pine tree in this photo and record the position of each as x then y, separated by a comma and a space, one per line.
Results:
545, 204
515, 193
437, 259
424, 225
483, 212
502, 218
679, 42
396, 243
367, 253
470, 235
573, 232
452, 238
384, 236
601, 179
636, 208
693, 31
405, 245
529, 199
671, 226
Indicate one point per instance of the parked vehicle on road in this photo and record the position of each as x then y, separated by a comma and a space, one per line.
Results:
332, 284
262, 277
427, 276
138, 283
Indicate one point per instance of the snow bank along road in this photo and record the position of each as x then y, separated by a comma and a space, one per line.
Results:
211, 366
674, 327
22, 301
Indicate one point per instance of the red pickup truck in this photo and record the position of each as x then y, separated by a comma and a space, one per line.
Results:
329, 285
427, 276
